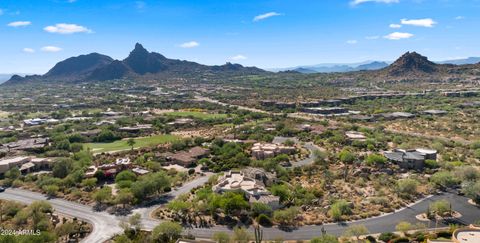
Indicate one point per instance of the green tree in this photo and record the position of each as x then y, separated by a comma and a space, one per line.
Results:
105, 136
444, 179
65, 229
89, 183
122, 239
339, 208
103, 195
326, 238
440, 207
406, 188
260, 208
13, 174
321, 158
135, 221
179, 207
62, 168
241, 235
124, 197
472, 190
221, 237
37, 211
167, 232
375, 159
150, 184
131, 142
404, 227
233, 202
286, 216
125, 175
281, 191
51, 190
346, 156
356, 231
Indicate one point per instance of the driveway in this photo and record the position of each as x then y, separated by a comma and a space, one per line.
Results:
311, 147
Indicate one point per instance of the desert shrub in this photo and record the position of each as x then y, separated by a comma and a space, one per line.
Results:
407, 187
387, 236
371, 239
444, 234
264, 220
443, 179
400, 240
432, 164
340, 208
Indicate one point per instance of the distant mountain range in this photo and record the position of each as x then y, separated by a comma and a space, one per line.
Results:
142, 64
469, 60
6, 76
413, 66
363, 66
139, 64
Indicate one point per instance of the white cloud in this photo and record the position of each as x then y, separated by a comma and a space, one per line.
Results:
190, 44
265, 16
352, 42
419, 22
398, 36
373, 37
51, 49
460, 17
395, 26
67, 29
357, 2
28, 50
238, 58
19, 24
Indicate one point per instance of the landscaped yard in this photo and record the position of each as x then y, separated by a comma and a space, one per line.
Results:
196, 114
122, 144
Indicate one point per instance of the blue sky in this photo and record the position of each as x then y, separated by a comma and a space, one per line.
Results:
271, 33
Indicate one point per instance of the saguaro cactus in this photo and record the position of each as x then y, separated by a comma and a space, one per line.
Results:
258, 234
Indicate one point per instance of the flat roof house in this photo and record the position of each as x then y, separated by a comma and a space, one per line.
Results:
269, 150
254, 189
326, 110
411, 159
7, 164
30, 144
25, 164
397, 115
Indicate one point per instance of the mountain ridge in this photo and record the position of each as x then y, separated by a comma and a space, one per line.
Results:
140, 62
358, 66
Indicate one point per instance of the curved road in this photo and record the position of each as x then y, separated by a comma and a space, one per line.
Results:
385, 223
311, 147
106, 225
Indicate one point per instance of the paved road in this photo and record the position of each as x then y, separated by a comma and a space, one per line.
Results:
311, 147
147, 210
105, 225
380, 224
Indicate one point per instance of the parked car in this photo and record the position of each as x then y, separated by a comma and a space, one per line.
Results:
2, 189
